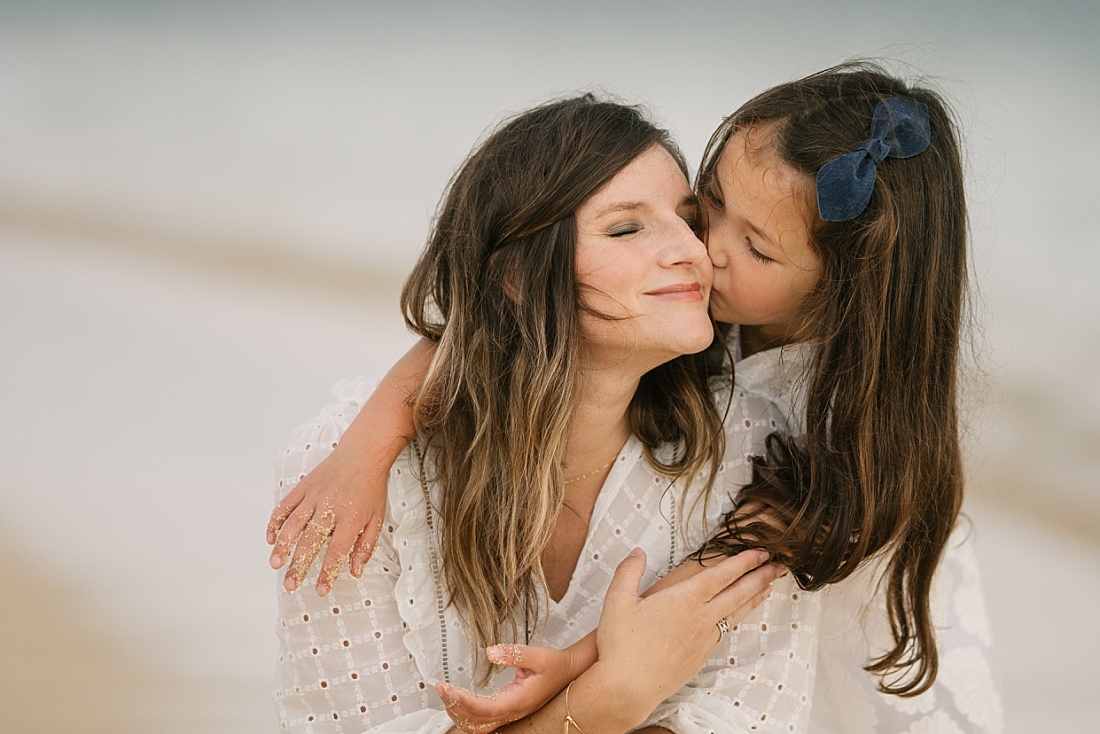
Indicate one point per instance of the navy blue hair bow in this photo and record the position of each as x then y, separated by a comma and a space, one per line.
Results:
899, 129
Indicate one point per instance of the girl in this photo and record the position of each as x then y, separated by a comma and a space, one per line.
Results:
563, 284
837, 228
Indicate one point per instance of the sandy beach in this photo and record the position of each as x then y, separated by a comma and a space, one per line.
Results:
65, 671
142, 603
144, 402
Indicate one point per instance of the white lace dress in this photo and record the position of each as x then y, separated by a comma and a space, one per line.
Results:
853, 625
364, 658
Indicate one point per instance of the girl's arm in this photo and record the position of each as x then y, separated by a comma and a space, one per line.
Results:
331, 648
543, 672
345, 495
649, 647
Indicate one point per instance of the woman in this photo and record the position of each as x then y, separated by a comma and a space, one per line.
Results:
559, 426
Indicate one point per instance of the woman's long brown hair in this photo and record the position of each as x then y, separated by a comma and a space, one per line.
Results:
496, 289
880, 469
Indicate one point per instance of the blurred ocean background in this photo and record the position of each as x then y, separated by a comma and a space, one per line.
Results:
206, 211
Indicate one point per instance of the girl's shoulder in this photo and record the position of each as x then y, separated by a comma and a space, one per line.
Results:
779, 377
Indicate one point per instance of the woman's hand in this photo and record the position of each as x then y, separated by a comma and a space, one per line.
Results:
541, 673
650, 647
340, 499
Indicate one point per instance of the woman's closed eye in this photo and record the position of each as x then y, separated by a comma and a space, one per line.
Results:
712, 197
625, 230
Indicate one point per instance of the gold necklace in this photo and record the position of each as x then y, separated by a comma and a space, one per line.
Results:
597, 470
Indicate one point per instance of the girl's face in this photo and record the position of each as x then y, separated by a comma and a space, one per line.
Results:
642, 266
758, 237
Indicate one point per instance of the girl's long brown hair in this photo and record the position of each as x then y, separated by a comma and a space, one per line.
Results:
496, 289
880, 469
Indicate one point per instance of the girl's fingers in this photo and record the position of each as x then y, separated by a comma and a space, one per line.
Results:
289, 533
282, 512
364, 546
339, 547
314, 535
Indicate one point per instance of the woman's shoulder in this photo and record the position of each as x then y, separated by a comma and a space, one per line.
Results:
313, 440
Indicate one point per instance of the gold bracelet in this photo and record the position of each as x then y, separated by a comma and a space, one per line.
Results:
568, 717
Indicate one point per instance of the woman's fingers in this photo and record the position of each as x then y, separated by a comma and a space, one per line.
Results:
737, 616
463, 707
736, 601
627, 579
476, 708
712, 581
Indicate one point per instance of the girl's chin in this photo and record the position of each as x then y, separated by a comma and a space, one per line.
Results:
720, 314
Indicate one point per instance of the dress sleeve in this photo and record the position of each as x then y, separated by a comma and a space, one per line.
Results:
966, 676
964, 698
343, 665
761, 676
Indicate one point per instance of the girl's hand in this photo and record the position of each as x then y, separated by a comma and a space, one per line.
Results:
541, 673
345, 495
652, 646
338, 499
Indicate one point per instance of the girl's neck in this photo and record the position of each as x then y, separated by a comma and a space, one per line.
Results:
760, 338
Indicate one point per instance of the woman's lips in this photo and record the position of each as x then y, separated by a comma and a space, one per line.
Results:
679, 292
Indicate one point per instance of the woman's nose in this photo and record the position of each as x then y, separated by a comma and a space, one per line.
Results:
685, 246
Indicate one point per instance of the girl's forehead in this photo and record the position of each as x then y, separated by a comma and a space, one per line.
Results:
750, 166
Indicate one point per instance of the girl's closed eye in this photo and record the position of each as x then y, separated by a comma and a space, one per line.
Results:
756, 253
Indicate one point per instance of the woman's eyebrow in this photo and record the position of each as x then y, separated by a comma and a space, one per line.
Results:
629, 206
620, 206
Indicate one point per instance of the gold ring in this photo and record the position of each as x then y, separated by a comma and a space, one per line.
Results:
723, 628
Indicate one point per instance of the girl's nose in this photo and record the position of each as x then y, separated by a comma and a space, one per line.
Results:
716, 244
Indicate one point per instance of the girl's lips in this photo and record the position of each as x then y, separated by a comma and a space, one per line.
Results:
679, 292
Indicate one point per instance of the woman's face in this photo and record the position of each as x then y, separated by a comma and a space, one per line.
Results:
642, 267
758, 236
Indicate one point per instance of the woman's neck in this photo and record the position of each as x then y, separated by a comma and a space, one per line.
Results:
600, 428
601, 424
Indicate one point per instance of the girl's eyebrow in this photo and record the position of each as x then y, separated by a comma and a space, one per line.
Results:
760, 233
